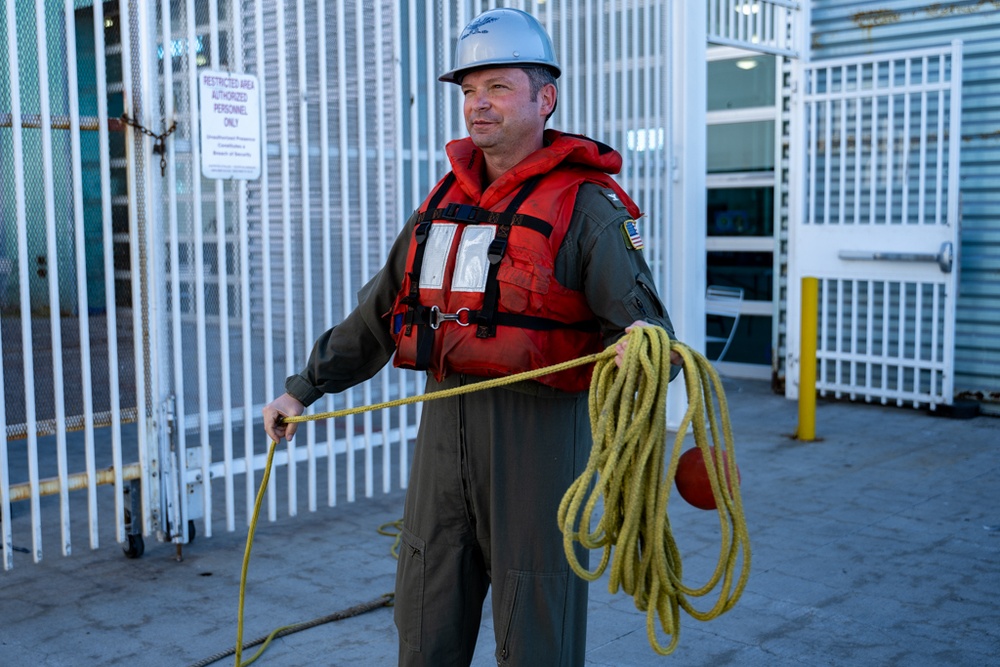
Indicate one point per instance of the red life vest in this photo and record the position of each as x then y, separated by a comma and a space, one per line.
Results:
480, 295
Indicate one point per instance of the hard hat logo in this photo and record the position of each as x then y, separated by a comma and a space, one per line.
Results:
502, 37
475, 28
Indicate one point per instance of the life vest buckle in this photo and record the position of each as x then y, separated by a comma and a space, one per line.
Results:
461, 212
436, 317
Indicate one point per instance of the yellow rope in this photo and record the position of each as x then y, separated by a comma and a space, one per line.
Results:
628, 471
445, 393
612, 398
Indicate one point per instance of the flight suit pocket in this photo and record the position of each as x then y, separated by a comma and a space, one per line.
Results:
531, 618
641, 301
408, 609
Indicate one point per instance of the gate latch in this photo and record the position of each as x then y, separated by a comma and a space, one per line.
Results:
945, 258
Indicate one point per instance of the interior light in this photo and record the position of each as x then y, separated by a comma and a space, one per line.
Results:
108, 23
747, 63
748, 8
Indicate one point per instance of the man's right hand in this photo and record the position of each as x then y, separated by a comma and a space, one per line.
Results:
285, 405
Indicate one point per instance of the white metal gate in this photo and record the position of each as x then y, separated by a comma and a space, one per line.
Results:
212, 291
876, 220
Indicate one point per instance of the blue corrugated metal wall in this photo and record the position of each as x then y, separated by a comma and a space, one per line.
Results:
841, 28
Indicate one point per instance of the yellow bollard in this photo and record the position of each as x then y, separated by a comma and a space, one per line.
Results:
807, 360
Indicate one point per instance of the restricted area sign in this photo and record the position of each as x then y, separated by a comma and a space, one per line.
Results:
230, 125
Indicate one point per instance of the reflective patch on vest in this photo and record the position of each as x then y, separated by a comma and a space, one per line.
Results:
436, 251
472, 265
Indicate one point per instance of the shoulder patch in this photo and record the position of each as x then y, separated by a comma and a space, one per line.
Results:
613, 198
630, 230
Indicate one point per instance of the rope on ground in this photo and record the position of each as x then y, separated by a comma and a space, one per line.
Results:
356, 610
626, 468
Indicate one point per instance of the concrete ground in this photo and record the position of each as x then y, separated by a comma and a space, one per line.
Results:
877, 545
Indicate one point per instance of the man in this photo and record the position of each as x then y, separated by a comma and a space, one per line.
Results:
525, 255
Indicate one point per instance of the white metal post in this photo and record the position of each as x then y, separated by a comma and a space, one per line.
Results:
685, 279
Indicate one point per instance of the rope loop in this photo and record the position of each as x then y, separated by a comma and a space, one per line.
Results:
619, 503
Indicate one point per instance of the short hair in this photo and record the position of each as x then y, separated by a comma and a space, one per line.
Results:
539, 76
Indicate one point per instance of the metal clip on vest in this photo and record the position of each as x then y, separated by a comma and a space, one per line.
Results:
437, 317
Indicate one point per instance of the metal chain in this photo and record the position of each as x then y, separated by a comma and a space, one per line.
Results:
159, 145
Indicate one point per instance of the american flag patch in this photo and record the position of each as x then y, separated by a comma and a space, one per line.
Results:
631, 232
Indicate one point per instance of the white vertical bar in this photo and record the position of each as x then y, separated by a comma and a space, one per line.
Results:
307, 270
563, 111
858, 145
222, 279
579, 75
939, 171
591, 69
52, 265
901, 344
918, 321
921, 180
890, 150
445, 37
811, 154
687, 243
843, 133
905, 162
839, 336
854, 339
246, 332
954, 212
198, 229
828, 143
83, 303
614, 66
382, 213
649, 125
174, 268
343, 134
107, 236
26, 342
935, 340
362, 188
430, 37
327, 243
400, 118
601, 67
265, 235
823, 349
635, 120
662, 170
873, 168
286, 236
886, 309
869, 340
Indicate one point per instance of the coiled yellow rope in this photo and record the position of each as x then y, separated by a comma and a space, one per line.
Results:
627, 469
608, 394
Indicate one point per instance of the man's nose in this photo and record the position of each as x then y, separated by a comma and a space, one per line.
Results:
479, 101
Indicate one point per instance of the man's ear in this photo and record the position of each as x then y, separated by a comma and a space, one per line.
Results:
547, 96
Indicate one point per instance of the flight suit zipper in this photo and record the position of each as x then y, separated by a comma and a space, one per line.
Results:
463, 448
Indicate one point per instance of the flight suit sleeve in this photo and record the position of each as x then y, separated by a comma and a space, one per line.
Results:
358, 347
610, 270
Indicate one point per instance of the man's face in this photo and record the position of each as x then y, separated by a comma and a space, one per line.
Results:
499, 113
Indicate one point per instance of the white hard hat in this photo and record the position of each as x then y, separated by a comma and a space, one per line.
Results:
502, 37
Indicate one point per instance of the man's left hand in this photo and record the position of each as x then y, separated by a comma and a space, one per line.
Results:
620, 346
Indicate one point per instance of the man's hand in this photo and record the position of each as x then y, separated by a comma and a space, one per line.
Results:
285, 405
622, 343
